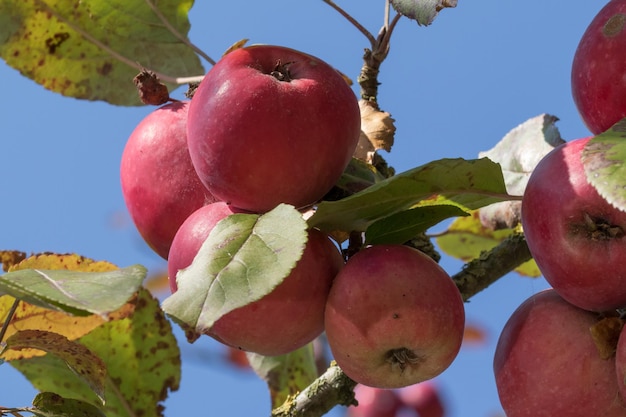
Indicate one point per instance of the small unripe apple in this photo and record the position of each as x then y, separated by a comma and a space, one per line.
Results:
159, 183
547, 364
599, 70
576, 237
287, 318
394, 317
270, 125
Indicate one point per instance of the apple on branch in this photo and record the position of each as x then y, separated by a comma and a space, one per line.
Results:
287, 318
576, 237
159, 183
546, 363
270, 125
394, 317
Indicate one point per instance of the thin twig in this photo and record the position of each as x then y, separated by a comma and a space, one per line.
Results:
184, 39
352, 20
386, 19
393, 23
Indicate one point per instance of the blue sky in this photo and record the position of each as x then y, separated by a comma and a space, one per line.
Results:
455, 88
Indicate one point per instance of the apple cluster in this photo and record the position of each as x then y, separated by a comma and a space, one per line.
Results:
563, 351
269, 125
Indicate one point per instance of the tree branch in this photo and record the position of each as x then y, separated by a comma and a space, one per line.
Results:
492, 265
331, 389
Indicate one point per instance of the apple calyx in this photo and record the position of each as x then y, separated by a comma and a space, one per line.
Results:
281, 71
401, 358
598, 229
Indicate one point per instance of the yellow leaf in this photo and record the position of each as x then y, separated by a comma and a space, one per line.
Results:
30, 317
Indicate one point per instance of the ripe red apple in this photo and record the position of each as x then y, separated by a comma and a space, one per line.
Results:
576, 237
374, 402
423, 398
289, 317
159, 183
271, 125
393, 317
599, 71
547, 364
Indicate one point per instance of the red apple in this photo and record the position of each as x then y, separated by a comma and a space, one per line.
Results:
576, 237
547, 364
289, 317
271, 125
599, 70
394, 317
159, 183
374, 402
423, 398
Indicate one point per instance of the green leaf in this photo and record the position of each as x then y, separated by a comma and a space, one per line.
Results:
142, 362
85, 364
604, 160
467, 184
405, 225
286, 375
423, 11
74, 292
49, 404
93, 49
467, 238
243, 259
519, 152
357, 176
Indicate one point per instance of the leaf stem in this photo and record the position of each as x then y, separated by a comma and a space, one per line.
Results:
184, 39
352, 20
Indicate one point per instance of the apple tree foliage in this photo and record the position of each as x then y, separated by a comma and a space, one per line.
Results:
86, 333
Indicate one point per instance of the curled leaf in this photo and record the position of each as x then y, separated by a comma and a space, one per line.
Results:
377, 126
519, 152
422, 11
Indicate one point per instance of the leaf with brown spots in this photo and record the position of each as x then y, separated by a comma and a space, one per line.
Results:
142, 363
92, 49
8, 258
85, 364
49, 404
32, 317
